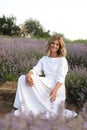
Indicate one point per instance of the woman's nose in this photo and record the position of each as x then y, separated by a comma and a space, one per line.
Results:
54, 45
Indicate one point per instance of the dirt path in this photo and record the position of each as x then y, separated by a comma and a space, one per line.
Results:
7, 95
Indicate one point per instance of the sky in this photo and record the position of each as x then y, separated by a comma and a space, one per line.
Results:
68, 17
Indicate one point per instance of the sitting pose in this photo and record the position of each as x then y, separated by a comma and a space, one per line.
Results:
39, 94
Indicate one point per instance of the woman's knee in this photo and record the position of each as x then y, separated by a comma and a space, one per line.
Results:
22, 78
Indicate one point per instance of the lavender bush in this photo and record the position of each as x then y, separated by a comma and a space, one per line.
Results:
10, 122
77, 54
76, 87
17, 56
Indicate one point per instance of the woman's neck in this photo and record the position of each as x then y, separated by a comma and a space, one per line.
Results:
53, 55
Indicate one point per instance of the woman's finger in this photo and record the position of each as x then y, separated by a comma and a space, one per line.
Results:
52, 98
29, 81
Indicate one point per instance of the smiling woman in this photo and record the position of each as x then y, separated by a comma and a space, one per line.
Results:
56, 44
44, 94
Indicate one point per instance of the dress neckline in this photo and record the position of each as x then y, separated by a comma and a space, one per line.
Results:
53, 57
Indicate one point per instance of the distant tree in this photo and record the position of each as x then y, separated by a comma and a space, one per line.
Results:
8, 26
35, 29
60, 34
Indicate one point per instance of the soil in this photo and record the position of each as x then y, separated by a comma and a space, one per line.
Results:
7, 95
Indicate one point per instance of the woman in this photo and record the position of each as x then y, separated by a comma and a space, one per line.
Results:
44, 94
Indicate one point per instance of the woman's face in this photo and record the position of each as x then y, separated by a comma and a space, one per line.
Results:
54, 46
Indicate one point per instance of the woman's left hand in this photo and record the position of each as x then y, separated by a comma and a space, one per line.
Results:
52, 95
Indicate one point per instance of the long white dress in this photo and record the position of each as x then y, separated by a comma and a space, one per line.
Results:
35, 99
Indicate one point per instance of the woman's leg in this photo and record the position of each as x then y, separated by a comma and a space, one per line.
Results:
18, 96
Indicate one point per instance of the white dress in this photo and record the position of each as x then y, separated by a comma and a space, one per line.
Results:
35, 99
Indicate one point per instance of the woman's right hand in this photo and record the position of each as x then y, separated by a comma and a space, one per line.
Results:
29, 80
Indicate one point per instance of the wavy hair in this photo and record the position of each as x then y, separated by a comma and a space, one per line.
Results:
62, 50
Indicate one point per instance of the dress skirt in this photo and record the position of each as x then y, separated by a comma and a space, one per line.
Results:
36, 99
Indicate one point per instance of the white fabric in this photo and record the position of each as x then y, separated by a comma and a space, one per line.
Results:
36, 98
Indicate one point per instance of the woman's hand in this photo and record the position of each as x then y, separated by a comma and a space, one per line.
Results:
52, 95
54, 92
29, 80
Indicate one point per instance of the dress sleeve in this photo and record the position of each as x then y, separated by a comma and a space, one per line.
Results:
62, 71
38, 68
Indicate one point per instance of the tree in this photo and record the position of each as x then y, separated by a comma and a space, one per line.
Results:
8, 26
35, 29
60, 34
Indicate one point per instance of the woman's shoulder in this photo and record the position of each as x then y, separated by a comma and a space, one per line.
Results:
43, 58
63, 59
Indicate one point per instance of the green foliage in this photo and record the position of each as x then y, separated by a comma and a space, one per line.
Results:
66, 40
76, 88
60, 34
8, 26
37, 54
35, 29
80, 41
10, 77
76, 60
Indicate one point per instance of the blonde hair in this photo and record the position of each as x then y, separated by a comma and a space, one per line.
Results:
62, 50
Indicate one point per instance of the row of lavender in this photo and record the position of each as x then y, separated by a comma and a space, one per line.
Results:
19, 55
76, 81
60, 122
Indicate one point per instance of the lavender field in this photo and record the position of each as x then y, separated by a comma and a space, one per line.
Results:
17, 57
